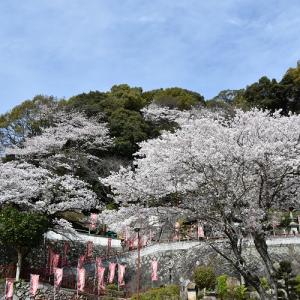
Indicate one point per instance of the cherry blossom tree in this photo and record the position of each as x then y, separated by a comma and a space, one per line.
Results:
66, 127
231, 172
37, 189
37, 195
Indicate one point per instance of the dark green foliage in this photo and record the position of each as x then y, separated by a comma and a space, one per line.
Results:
168, 292
90, 103
273, 95
178, 98
21, 230
287, 279
128, 128
204, 277
222, 287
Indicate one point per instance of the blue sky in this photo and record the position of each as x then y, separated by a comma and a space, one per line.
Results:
65, 47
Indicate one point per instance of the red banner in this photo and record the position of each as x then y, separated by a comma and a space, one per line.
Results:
80, 279
34, 284
121, 273
66, 250
112, 270
9, 288
81, 261
100, 277
154, 267
55, 261
58, 275
98, 262
51, 254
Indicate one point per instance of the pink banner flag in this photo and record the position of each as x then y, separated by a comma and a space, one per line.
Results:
93, 221
200, 232
50, 259
80, 279
112, 270
58, 275
55, 261
154, 266
34, 284
89, 249
121, 273
9, 288
98, 262
100, 277
81, 261
66, 250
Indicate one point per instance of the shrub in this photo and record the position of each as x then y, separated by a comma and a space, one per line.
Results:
204, 277
240, 292
168, 292
222, 287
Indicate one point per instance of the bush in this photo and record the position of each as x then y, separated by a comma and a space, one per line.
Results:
112, 287
171, 292
240, 292
222, 287
204, 277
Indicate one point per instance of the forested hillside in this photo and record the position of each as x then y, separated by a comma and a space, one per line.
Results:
45, 131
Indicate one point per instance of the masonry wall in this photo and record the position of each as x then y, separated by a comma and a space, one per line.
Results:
176, 261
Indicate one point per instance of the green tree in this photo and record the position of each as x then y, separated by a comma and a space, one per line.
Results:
178, 98
222, 287
128, 128
204, 277
91, 103
21, 231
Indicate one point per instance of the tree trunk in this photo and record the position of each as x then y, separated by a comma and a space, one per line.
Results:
262, 249
19, 264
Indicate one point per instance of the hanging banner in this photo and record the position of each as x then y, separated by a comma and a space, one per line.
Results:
100, 278
34, 284
55, 261
51, 254
154, 267
9, 288
66, 250
98, 262
200, 232
58, 275
81, 261
89, 249
121, 273
93, 221
80, 279
112, 270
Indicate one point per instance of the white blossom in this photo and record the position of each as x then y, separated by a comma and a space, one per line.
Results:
38, 189
66, 127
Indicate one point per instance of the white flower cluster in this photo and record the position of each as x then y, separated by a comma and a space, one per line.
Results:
38, 189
